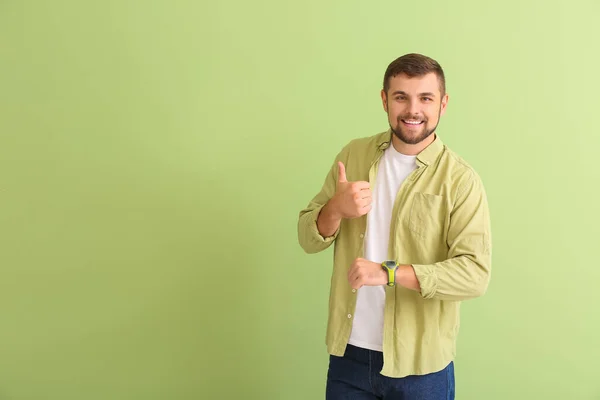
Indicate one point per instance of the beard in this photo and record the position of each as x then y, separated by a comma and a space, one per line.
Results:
415, 136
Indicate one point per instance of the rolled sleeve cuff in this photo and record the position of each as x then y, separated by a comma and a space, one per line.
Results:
427, 278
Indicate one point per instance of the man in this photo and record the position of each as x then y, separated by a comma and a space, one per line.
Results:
410, 224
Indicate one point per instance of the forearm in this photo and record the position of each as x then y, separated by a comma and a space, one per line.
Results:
329, 220
309, 236
406, 277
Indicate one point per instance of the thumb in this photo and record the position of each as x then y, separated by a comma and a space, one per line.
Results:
342, 173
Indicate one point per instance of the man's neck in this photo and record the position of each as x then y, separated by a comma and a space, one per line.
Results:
411, 149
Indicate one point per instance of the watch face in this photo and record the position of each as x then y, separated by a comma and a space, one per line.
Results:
389, 264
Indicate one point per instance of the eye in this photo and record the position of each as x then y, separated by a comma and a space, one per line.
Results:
427, 99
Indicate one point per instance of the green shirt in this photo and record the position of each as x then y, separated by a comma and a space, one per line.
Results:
440, 224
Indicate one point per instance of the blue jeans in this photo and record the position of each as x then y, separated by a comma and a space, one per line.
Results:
355, 376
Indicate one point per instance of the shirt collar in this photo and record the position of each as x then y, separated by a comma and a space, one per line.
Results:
426, 156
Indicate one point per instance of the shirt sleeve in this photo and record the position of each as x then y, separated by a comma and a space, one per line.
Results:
466, 272
308, 234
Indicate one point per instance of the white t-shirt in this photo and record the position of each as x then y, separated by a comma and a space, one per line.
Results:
367, 325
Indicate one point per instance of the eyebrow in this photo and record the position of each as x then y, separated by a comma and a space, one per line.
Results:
420, 94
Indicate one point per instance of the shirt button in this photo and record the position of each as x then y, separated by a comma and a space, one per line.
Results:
353, 290
362, 236
349, 315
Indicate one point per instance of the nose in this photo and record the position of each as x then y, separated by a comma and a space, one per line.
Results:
413, 108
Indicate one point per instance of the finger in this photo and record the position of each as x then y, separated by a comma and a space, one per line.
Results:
355, 277
365, 201
363, 194
351, 275
360, 199
366, 192
366, 209
362, 203
352, 279
342, 173
357, 282
361, 185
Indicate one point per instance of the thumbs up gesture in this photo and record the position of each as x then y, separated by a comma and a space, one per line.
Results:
351, 199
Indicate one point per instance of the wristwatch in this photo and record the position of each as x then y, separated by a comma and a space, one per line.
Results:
390, 267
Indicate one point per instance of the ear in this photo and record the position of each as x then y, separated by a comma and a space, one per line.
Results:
444, 104
384, 99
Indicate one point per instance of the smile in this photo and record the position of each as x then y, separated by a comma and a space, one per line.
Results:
412, 122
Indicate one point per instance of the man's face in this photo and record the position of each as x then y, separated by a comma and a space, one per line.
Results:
414, 106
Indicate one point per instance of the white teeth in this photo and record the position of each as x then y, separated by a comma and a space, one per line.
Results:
412, 122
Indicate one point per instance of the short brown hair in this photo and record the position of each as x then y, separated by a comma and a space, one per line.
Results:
413, 65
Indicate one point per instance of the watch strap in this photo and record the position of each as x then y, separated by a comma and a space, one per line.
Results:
390, 267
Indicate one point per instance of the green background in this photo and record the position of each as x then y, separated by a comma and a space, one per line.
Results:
154, 156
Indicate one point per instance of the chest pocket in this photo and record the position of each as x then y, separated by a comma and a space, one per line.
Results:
427, 215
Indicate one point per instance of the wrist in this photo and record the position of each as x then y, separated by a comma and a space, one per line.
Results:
390, 269
384, 276
332, 209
